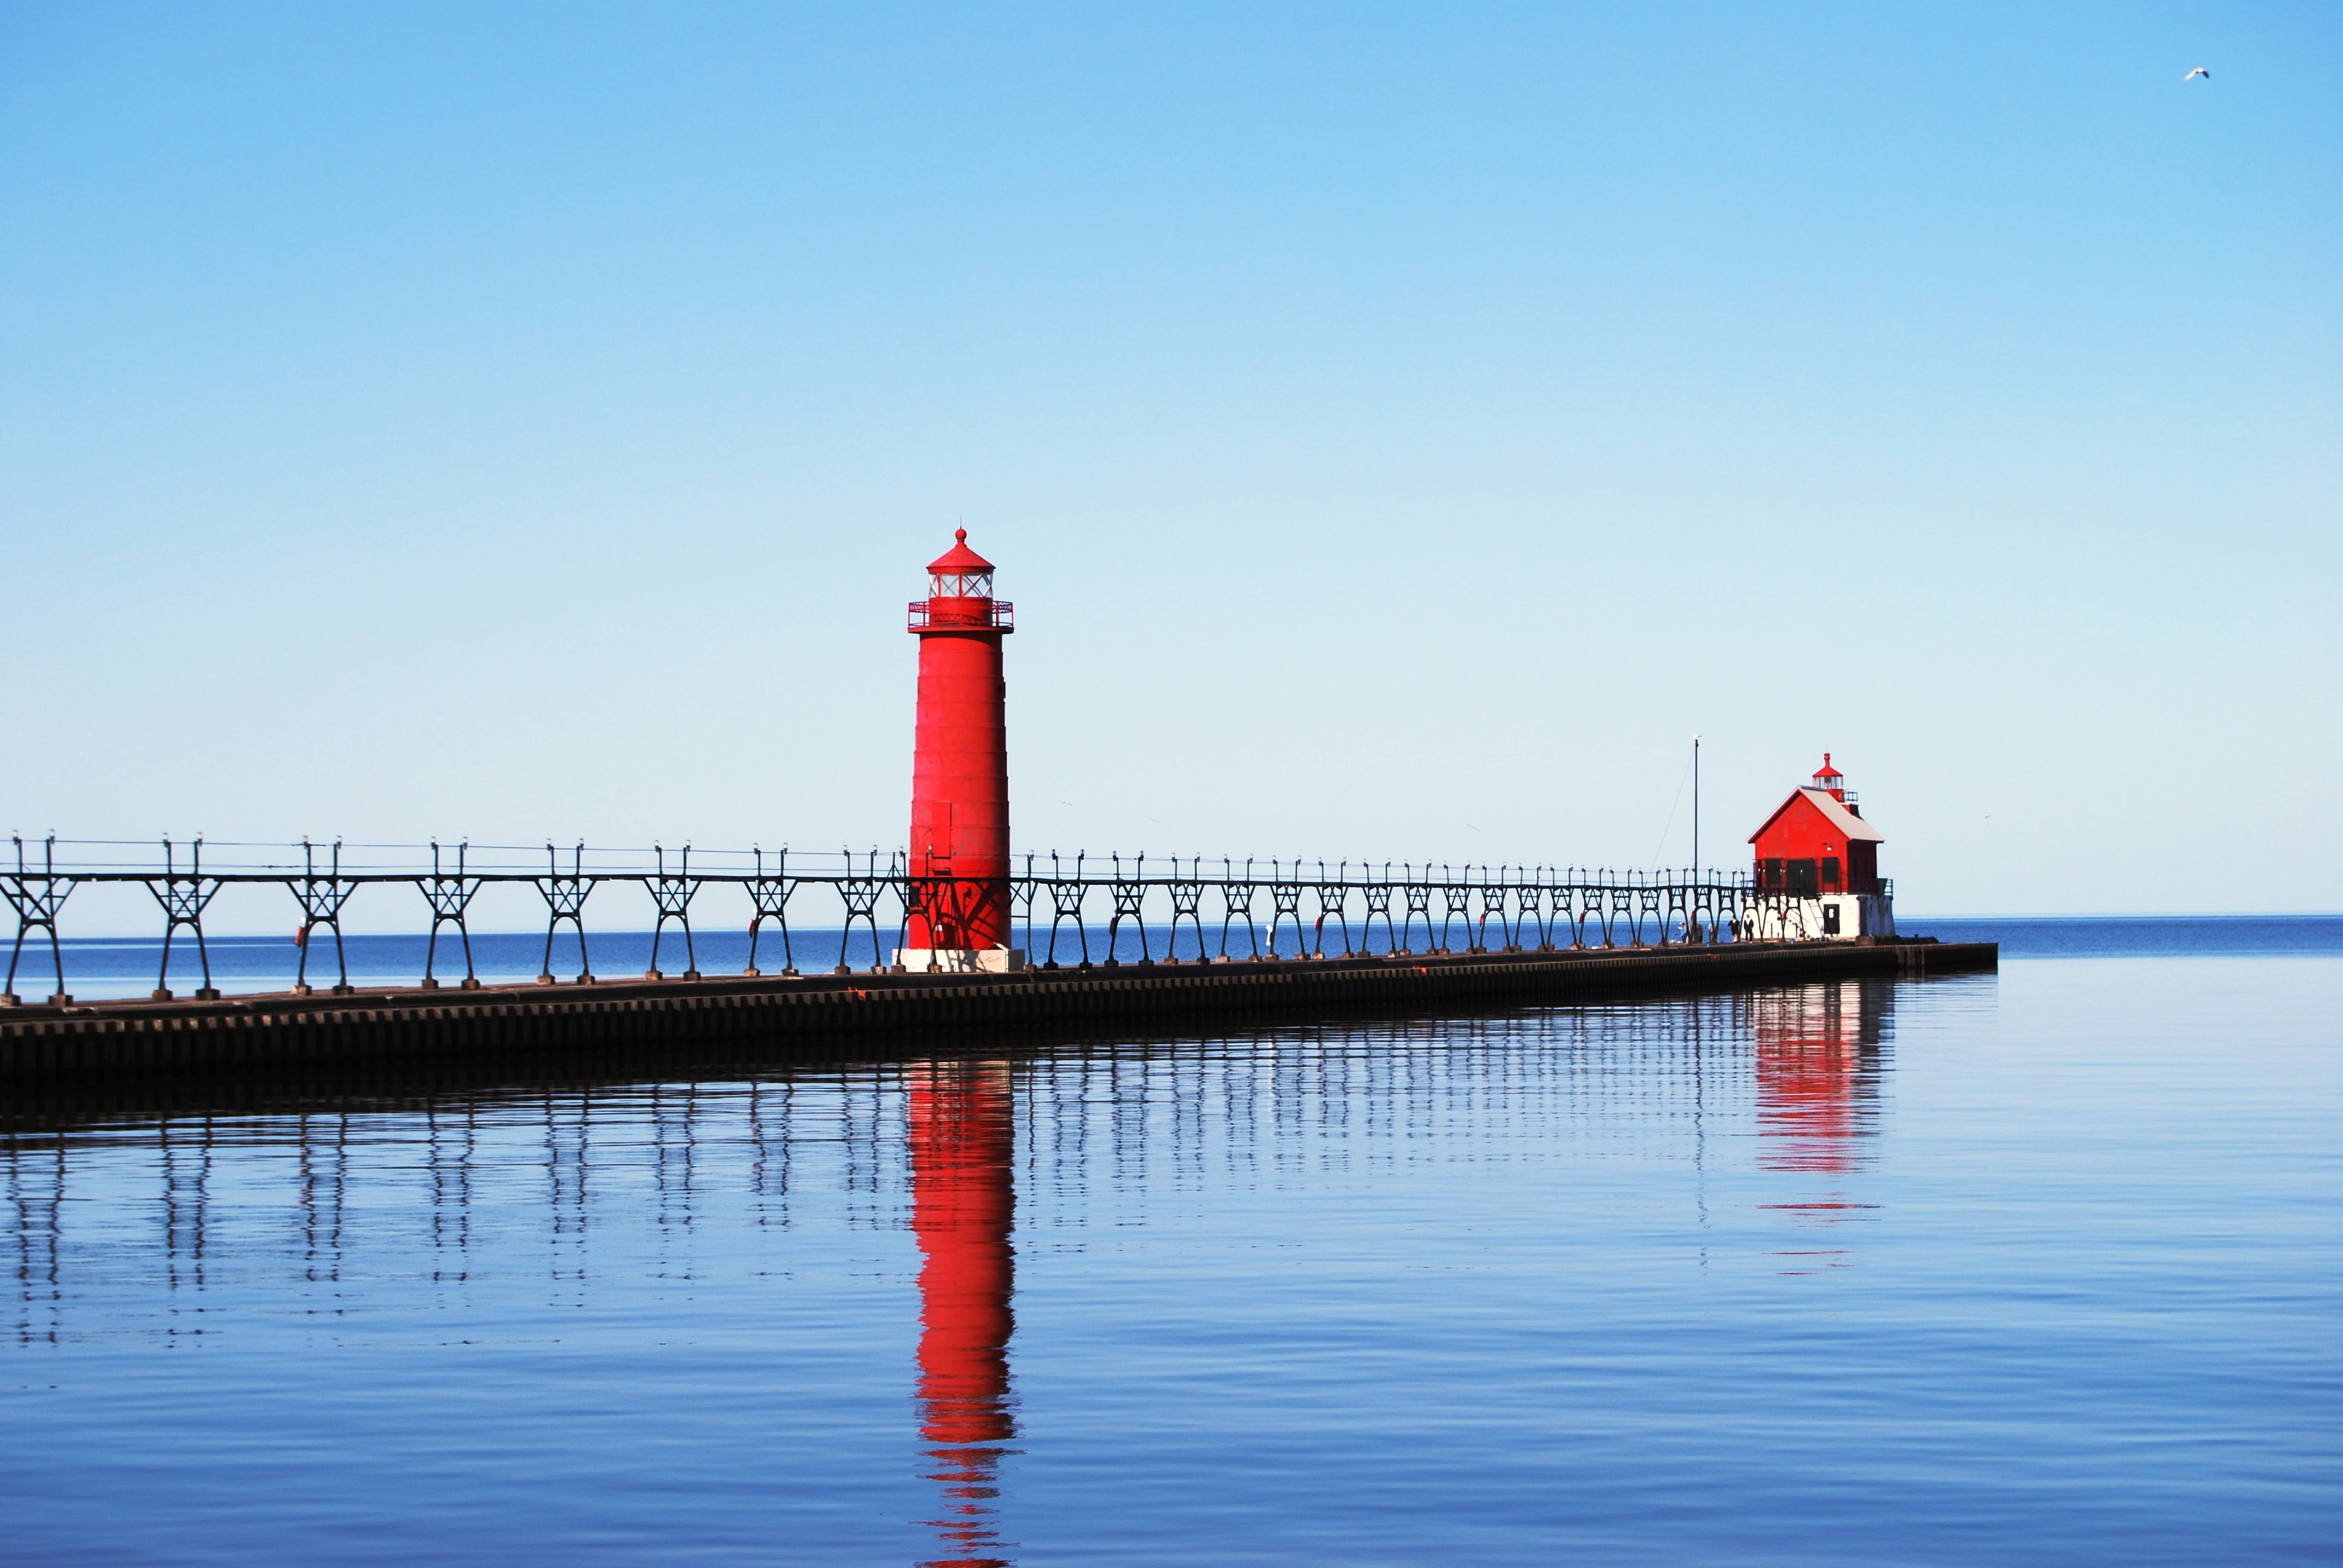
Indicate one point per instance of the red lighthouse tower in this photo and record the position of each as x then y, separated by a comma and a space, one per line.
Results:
959, 910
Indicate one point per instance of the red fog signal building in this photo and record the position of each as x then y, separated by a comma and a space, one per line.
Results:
1818, 866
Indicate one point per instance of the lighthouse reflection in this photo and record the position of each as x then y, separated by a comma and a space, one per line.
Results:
1818, 1057
963, 1208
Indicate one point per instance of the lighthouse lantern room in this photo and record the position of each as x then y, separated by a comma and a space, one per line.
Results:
1818, 866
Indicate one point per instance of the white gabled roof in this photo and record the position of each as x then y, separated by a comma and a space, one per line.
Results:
1843, 819
1856, 829
1846, 821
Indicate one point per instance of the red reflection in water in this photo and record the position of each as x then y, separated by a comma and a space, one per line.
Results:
963, 1207
1816, 1077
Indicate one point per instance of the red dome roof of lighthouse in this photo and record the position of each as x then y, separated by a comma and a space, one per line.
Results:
960, 558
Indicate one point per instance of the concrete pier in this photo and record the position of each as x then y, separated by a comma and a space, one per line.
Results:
884, 1013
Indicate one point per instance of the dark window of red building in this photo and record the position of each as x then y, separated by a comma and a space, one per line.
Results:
1830, 873
1802, 878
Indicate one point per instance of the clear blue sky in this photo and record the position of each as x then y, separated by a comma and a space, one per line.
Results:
1401, 429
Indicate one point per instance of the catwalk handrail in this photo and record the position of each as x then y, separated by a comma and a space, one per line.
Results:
1438, 903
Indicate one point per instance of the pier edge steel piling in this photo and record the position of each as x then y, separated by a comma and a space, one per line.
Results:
890, 1015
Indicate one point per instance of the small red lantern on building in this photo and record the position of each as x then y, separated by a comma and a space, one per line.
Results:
1818, 866
959, 872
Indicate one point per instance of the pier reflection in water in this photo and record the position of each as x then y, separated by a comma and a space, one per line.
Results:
1137, 1300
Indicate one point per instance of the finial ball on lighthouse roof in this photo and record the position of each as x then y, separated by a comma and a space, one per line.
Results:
960, 572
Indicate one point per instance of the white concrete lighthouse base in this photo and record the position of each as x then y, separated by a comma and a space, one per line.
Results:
960, 960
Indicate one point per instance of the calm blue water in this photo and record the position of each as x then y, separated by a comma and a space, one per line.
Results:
100, 968
2041, 1267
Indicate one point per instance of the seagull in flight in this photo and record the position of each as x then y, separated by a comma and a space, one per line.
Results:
2199, 71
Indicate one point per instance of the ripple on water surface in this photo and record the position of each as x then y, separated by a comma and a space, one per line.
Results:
2035, 1267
